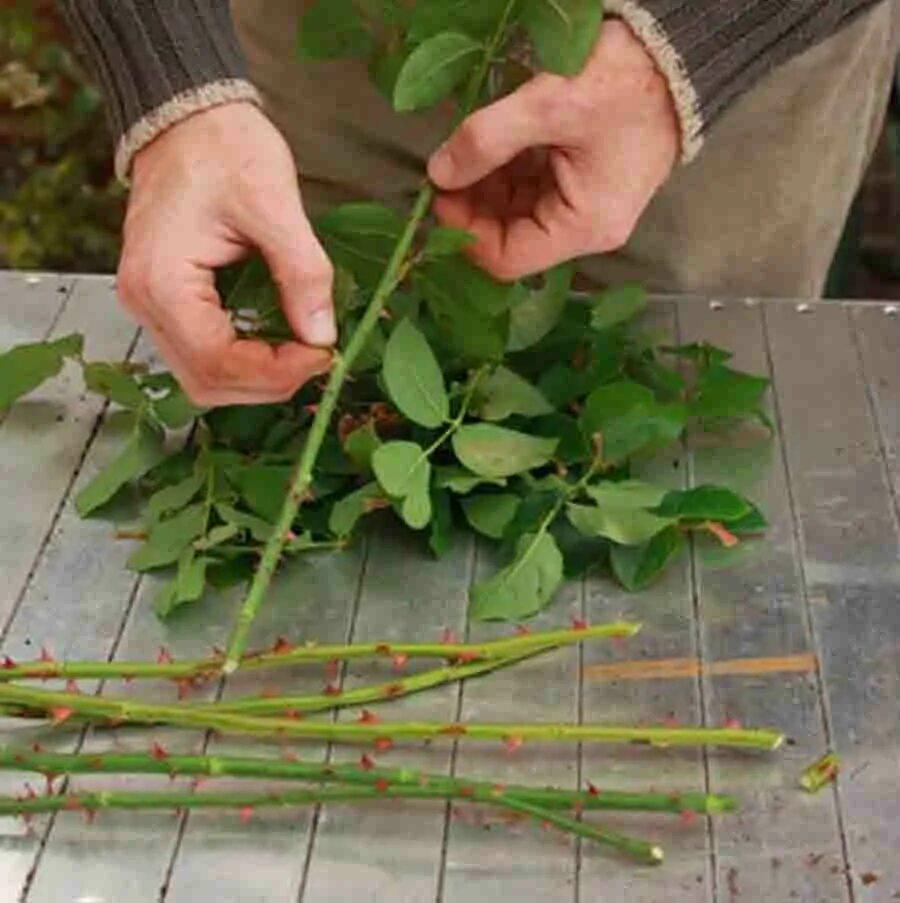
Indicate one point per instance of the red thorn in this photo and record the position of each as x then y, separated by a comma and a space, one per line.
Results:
50, 778
128, 680
579, 624
37, 748
288, 756
688, 818
245, 814
45, 655
732, 724
394, 690
513, 744
282, 646
269, 693
196, 782
294, 715
671, 721
290, 536
382, 786
449, 638
158, 751
593, 790
383, 649
311, 409
383, 744
332, 669
90, 815
163, 657
366, 763
498, 789
465, 658
72, 804
467, 791
61, 713
368, 717
72, 686
332, 690
522, 630
30, 792
8, 663
454, 730
184, 687
400, 661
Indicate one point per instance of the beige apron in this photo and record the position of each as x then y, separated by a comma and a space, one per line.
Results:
759, 212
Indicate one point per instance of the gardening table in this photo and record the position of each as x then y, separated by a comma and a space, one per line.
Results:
798, 630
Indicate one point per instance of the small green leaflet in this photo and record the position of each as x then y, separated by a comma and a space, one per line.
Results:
414, 379
539, 311
168, 539
504, 393
627, 526
461, 481
361, 238
143, 452
455, 282
705, 503
490, 515
434, 69
723, 392
564, 32
115, 382
259, 529
445, 242
348, 511
187, 586
523, 588
24, 368
440, 538
573, 447
361, 444
404, 472
627, 494
611, 402
636, 567
172, 498
643, 430
494, 451
263, 487
618, 305
752, 523
217, 536
332, 29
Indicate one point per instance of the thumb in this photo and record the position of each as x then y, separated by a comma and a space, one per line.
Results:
300, 268
491, 137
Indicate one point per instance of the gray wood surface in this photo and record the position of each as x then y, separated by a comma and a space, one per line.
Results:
820, 594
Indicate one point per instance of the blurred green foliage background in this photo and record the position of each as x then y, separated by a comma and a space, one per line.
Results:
60, 204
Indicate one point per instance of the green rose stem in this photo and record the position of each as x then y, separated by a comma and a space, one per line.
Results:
53, 765
285, 655
247, 802
62, 706
343, 362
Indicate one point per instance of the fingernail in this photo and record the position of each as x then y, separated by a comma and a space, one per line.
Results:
320, 328
440, 167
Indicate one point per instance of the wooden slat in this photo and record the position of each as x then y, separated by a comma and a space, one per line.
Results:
667, 612
848, 530
406, 597
752, 604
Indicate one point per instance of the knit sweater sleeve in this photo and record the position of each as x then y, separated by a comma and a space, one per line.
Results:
157, 62
713, 51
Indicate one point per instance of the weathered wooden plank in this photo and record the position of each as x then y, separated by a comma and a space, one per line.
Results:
752, 605
30, 305
667, 613
849, 539
406, 597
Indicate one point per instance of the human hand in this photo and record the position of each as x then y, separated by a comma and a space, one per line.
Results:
562, 167
203, 194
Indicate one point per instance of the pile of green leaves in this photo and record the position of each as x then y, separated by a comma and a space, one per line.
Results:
517, 411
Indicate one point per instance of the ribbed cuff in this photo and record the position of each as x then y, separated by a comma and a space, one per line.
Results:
157, 62
711, 52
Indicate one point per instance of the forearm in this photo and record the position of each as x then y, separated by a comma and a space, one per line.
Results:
713, 51
157, 62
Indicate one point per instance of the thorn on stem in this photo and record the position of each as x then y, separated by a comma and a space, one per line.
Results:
245, 814
733, 724
158, 751
8, 663
332, 690
332, 670
368, 717
72, 687
593, 790
579, 624
513, 744
523, 630
449, 638
282, 646
46, 656
366, 763
688, 818
383, 744
164, 657
400, 661
382, 786
61, 713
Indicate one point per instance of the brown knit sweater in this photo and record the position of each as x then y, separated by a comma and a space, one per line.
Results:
158, 61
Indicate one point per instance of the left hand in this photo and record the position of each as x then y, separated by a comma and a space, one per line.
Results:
562, 167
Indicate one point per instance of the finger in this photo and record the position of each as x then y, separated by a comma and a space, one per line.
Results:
493, 136
298, 263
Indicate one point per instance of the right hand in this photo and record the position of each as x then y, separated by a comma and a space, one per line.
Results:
204, 193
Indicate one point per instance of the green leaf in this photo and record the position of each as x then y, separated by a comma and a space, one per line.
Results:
723, 392
259, 529
115, 382
143, 452
581, 554
523, 588
611, 402
240, 426
168, 539
173, 498
573, 447
627, 526
564, 32
539, 311
175, 409
490, 515
702, 353
494, 451
705, 503
361, 238
504, 393
231, 572
414, 379
24, 368
440, 538
263, 487
404, 472
217, 536
627, 494
434, 69
348, 511
361, 444
618, 305
455, 282
254, 297
445, 242
644, 429
754, 522
637, 567
333, 29
461, 481
187, 586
